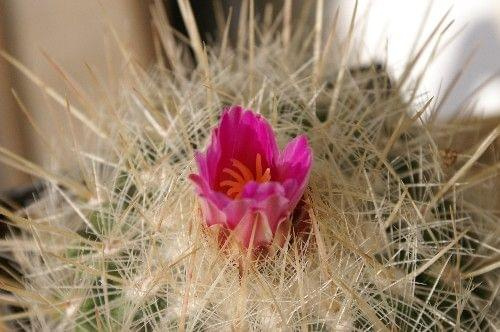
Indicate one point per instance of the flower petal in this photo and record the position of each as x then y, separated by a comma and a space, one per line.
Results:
268, 198
205, 192
207, 162
257, 224
294, 165
261, 191
268, 209
263, 206
242, 135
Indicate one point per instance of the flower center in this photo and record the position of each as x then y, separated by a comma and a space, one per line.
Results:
242, 175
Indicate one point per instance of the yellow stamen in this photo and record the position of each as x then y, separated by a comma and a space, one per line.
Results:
236, 191
258, 166
234, 174
243, 176
266, 177
247, 174
229, 183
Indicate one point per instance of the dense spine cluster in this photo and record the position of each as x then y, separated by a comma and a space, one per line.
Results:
395, 237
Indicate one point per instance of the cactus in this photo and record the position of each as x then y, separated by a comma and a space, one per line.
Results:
394, 241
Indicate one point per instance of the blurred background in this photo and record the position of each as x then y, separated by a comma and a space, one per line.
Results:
76, 36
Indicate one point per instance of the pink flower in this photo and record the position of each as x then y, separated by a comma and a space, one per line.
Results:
247, 186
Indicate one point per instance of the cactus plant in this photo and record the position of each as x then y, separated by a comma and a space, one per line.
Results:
394, 240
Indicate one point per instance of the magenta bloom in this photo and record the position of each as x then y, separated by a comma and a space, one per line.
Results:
245, 183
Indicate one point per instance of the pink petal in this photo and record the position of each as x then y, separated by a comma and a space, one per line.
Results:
208, 162
262, 205
268, 198
204, 191
243, 134
268, 208
262, 234
261, 191
294, 165
236, 210
213, 216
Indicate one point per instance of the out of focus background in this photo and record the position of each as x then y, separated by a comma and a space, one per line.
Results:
58, 38
74, 35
